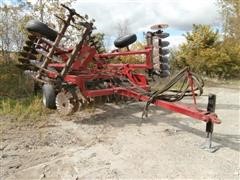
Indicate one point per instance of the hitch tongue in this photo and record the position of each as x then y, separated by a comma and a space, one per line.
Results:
209, 125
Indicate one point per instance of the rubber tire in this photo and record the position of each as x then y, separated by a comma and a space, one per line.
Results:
49, 96
41, 28
124, 41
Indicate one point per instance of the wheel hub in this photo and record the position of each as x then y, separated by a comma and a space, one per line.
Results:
67, 102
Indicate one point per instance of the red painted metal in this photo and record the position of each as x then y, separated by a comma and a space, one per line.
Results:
147, 52
176, 107
181, 108
90, 66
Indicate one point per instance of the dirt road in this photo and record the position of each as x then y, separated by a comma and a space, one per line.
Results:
112, 142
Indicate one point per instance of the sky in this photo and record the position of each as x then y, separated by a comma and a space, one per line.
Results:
141, 14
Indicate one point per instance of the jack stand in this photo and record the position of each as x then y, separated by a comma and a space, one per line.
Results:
209, 126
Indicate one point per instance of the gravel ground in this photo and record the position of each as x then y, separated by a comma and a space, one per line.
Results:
112, 142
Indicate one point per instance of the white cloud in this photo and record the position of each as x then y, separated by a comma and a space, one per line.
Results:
175, 41
179, 14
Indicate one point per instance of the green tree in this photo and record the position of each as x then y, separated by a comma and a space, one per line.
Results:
206, 54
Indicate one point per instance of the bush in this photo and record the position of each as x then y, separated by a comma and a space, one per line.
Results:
206, 54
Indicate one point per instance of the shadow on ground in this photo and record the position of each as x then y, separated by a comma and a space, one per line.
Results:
114, 115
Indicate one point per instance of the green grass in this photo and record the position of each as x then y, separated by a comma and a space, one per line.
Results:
28, 108
16, 95
13, 83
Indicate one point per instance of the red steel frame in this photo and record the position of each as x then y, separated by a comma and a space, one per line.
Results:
147, 52
80, 73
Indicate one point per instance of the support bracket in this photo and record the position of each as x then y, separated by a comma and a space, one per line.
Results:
209, 125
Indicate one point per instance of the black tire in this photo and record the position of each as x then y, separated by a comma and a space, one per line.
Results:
124, 41
41, 28
49, 96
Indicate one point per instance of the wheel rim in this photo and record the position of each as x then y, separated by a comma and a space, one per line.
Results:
66, 102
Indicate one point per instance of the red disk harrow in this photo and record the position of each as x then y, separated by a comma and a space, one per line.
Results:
70, 77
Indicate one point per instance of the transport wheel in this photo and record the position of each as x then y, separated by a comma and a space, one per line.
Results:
67, 102
124, 41
49, 96
43, 29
